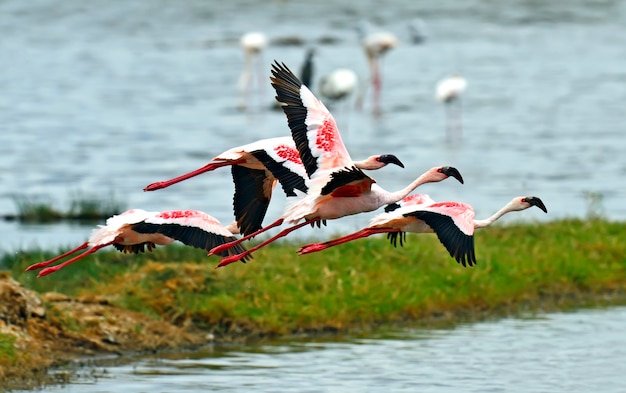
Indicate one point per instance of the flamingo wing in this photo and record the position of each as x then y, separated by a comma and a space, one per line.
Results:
192, 228
253, 191
453, 224
347, 182
286, 166
312, 126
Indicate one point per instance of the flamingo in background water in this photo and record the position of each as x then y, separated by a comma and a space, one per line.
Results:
376, 45
338, 85
253, 45
308, 68
336, 188
449, 91
255, 169
136, 231
453, 222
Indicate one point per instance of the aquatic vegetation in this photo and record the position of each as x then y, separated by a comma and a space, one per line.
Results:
38, 210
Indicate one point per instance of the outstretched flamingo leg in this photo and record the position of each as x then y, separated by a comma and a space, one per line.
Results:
208, 167
53, 260
315, 247
234, 258
226, 246
53, 269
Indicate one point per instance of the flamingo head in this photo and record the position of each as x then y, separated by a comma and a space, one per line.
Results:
443, 172
530, 201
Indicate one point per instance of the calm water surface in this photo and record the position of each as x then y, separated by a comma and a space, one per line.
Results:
105, 97
565, 352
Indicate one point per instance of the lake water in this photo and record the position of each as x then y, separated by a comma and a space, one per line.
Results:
581, 351
102, 98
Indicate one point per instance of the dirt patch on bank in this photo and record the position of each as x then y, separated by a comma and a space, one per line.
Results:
40, 331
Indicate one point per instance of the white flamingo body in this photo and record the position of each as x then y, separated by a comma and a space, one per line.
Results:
450, 88
136, 230
336, 188
453, 222
339, 84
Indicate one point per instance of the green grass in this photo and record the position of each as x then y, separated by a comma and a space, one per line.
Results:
359, 284
7, 348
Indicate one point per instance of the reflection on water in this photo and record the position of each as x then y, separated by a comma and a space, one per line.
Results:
563, 352
111, 96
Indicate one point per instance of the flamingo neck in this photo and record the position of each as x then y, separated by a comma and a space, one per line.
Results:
494, 217
393, 197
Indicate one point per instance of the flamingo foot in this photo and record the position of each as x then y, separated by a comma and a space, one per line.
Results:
230, 259
309, 248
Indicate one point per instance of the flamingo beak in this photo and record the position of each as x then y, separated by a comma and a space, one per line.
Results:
452, 171
390, 159
534, 201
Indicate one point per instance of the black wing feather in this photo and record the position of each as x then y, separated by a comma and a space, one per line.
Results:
459, 245
287, 87
192, 236
343, 177
249, 203
288, 180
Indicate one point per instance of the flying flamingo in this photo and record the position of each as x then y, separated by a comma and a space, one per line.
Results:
376, 45
255, 169
449, 91
136, 231
336, 188
453, 222
253, 45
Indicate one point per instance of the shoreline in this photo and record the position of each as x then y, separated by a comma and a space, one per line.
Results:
175, 300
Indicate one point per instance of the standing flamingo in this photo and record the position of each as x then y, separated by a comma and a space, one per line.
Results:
336, 188
453, 222
255, 169
449, 91
338, 84
136, 230
253, 45
307, 71
376, 45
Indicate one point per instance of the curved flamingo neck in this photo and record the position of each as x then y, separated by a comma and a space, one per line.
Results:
427, 177
509, 207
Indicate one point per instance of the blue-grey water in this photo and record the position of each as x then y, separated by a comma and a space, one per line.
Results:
103, 98
581, 351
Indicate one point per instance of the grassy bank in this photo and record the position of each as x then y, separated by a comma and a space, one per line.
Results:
356, 285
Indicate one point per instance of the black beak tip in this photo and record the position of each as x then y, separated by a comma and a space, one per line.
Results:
391, 159
452, 171
535, 201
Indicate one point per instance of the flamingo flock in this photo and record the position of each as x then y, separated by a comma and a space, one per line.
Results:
320, 181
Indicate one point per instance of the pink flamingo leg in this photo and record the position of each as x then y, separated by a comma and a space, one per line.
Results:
234, 258
315, 247
208, 167
50, 261
226, 246
53, 269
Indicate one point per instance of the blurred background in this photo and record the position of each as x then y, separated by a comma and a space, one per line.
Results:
101, 98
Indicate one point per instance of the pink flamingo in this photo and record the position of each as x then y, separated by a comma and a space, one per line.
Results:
449, 91
376, 45
256, 167
136, 230
253, 44
453, 222
336, 188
